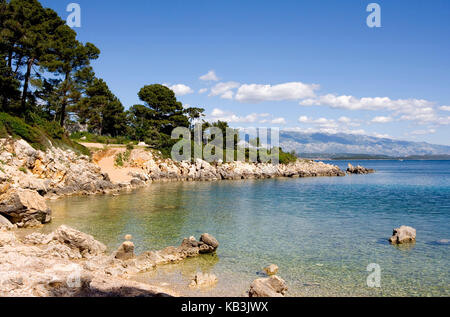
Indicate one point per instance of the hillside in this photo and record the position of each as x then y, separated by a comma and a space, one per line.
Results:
322, 143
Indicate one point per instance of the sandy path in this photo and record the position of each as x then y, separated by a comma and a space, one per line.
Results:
106, 161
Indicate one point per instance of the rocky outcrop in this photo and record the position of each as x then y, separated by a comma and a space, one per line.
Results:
24, 207
84, 243
68, 262
404, 234
272, 286
359, 170
53, 172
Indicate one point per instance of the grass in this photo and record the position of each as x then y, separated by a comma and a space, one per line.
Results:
94, 138
38, 132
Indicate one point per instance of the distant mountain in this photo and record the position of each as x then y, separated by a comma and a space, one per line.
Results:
322, 143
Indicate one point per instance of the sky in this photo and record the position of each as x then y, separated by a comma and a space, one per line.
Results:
312, 65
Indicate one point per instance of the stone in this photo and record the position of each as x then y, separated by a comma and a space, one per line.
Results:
24, 205
404, 234
125, 251
5, 224
209, 240
272, 286
359, 170
75, 239
271, 269
203, 280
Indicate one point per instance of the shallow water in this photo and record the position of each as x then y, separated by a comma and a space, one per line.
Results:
321, 232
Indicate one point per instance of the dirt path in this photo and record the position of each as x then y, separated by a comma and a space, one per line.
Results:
106, 158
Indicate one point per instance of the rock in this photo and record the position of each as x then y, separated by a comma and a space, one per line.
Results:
203, 280
37, 238
24, 206
359, 170
5, 224
7, 238
75, 239
271, 269
209, 240
404, 234
272, 286
125, 251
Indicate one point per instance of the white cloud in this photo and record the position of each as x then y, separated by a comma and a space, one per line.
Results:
230, 117
382, 119
203, 90
423, 132
286, 91
445, 108
377, 103
210, 76
278, 121
224, 90
181, 89
419, 110
342, 124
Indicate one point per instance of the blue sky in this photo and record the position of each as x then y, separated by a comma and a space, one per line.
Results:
303, 65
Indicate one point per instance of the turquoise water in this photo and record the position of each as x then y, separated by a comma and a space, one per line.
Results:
321, 232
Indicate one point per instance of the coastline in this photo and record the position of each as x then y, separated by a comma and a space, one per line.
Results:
28, 177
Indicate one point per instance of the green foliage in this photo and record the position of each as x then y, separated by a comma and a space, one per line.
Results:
130, 147
17, 128
95, 138
286, 158
23, 170
121, 158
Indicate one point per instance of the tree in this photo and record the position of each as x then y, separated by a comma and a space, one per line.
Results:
101, 110
164, 112
9, 86
194, 114
72, 60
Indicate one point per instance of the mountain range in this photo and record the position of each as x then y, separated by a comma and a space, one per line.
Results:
341, 144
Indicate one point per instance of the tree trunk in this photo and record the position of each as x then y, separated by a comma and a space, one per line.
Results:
25, 85
64, 103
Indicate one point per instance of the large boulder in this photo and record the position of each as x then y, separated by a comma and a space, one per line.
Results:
272, 286
404, 234
24, 207
209, 240
75, 239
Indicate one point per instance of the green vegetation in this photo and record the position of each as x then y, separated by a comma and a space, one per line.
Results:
23, 170
121, 158
48, 89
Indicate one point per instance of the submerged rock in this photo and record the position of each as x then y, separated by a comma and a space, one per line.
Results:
272, 286
24, 207
203, 280
404, 234
271, 269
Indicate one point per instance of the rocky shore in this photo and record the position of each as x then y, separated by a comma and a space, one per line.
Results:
68, 262
27, 175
